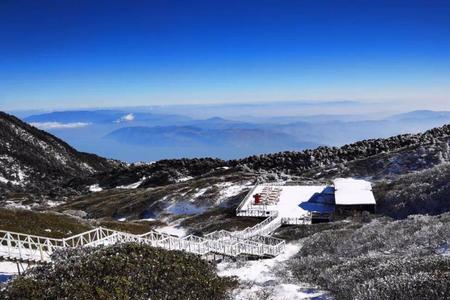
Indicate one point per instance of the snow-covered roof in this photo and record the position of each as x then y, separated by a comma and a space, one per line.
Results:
349, 191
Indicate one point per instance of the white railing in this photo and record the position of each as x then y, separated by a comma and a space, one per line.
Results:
305, 220
266, 227
245, 199
250, 241
17, 246
27, 247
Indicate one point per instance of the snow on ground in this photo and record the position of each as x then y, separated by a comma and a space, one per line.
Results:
13, 182
133, 185
87, 167
51, 203
147, 219
183, 179
229, 189
12, 169
11, 204
261, 277
172, 230
185, 208
21, 174
7, 270
6, 157
24, 253
198, 193
141, 163
95, 188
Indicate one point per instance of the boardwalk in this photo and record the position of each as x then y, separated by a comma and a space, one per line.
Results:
249, 242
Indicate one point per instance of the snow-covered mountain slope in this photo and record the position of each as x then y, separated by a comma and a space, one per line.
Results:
33, 159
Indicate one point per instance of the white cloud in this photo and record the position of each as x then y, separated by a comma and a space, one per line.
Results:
58, 125
127, 118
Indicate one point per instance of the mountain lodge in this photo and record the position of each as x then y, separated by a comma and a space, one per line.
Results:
306, 204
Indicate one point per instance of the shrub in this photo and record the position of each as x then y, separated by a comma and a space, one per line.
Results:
125, 271
366, 271
432, 285
380, 260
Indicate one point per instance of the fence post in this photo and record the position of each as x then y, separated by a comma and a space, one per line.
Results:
9, 243
40, 252
20, 246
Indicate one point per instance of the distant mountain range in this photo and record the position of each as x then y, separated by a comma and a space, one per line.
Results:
258, 140
104, 117
145, 135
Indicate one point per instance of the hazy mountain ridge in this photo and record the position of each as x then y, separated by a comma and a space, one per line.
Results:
106, 132
191, 136
102, 116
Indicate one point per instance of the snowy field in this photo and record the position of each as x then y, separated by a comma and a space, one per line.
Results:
33, 255
9, 269
172, 230
268, 278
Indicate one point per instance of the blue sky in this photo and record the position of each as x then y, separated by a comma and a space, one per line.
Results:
66, 54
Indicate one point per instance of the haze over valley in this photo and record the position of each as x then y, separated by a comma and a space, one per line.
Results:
150, 134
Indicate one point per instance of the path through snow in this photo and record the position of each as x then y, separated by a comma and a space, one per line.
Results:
9, 269
260, 278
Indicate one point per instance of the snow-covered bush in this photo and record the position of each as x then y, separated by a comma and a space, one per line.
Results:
433, 285
418, 235
424, 192
125, 271
383, 259
365, 271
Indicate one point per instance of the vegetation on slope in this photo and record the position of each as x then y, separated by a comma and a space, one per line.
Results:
58, 225
424, 192
126, 271
47, 224
383, 259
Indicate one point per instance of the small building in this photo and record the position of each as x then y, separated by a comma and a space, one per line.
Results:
306, 204
353, 195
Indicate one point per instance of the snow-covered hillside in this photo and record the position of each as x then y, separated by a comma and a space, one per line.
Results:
33, 159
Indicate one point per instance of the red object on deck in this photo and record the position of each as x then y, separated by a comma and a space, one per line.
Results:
257, 198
